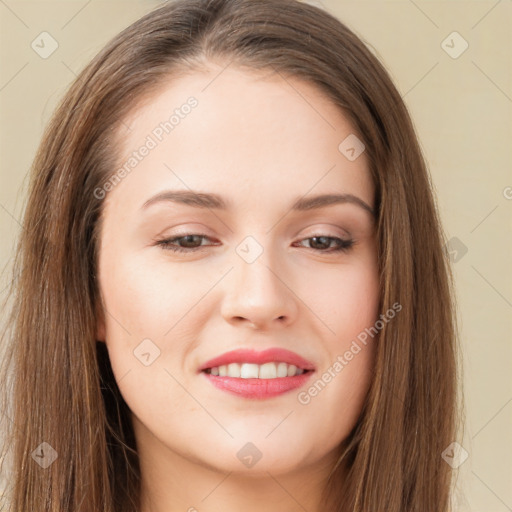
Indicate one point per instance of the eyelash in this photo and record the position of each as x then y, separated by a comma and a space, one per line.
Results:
344, 245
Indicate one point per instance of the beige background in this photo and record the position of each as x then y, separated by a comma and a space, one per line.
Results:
462, 108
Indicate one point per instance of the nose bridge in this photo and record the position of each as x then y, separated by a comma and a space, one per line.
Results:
256, 269
256, 290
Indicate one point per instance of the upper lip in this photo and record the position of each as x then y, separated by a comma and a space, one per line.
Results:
271, 355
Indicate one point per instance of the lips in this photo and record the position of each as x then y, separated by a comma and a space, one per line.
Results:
272, 355
258, 388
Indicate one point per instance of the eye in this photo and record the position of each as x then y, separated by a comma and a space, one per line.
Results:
321, 242
192, 243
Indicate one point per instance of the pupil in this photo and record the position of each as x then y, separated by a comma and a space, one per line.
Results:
189, 239
326, 241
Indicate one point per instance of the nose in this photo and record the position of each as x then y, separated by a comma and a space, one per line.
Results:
259, 296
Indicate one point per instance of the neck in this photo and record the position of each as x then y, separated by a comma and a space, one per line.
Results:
171, 483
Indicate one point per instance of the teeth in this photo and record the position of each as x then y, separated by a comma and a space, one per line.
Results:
267, 371
233, 370
255, 371
282, 370
247, 371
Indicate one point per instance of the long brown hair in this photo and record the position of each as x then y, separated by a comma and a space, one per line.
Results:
58, 385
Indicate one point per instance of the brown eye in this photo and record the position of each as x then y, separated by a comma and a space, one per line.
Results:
321, 243
188, 243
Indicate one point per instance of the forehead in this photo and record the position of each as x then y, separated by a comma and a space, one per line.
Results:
249, 134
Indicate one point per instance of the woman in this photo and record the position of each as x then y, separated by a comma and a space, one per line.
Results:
230, 288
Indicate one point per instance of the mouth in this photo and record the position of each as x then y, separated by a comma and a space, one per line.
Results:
245, 360
251, 374
255, 371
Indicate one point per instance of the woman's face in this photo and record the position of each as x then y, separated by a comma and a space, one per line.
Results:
259, 279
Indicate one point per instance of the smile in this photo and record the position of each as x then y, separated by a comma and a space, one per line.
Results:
256, 371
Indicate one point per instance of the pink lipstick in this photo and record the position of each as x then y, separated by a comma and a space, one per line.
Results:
259, 357
283, 371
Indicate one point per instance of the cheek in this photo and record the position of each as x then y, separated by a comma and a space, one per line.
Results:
151, 308
346, 299
333, 402
354, 323
143, 303
147, 299
341, 385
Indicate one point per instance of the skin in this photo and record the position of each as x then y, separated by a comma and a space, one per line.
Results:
261, 142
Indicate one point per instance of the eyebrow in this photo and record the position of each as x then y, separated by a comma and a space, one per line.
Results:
217, 202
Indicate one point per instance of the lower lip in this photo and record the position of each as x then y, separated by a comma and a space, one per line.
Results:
258, 388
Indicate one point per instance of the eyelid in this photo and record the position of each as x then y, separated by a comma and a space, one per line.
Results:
184, 230
202, 232
322, 231
319, 229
